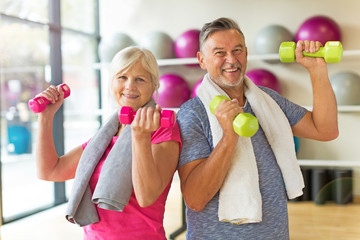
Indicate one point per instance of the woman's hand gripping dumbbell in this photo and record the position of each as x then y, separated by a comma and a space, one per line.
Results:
244, 124
38, 104
167, 117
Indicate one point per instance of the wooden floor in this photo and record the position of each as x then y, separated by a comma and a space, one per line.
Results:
324, 222
307, 222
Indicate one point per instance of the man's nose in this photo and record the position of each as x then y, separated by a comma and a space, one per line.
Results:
230, 58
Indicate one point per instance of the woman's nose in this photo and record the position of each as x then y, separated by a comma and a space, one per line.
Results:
130, 83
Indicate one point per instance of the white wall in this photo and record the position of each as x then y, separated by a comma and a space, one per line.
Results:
138, 17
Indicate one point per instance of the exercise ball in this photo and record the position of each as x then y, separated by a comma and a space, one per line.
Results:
346, 86
111, 44
187, 44
173, 91
19, 139
297, 143
195, 88
319, 28
159, 43
269, 39
262, 77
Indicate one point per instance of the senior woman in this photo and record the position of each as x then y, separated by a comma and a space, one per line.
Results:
123, 174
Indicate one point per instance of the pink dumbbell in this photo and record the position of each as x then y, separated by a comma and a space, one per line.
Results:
38, 104
167, 117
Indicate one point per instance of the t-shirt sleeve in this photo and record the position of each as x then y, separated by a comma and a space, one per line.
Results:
292, 111
85, 144
194, 135
166, 134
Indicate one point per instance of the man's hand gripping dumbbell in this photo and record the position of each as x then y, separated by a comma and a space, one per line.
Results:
332, 52
244, 124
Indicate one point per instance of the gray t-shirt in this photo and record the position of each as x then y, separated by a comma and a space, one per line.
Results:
197, 143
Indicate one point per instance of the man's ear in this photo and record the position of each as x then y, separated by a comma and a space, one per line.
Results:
200, 58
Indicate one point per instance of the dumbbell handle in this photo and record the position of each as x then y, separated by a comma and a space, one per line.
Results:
38, 104
167, 117
244, 124
321, 51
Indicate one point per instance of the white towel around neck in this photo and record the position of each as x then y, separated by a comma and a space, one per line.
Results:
240, 198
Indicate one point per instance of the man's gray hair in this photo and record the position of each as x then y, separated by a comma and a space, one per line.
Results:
220, 24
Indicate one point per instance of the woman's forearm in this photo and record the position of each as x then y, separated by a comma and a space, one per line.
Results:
146, 176
153, 168
46, 156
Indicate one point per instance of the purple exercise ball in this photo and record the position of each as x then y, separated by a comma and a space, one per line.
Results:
262, 77
173, 91
319, 28
187, 44
195, 88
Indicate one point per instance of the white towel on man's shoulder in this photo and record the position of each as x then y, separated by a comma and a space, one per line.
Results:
240, 198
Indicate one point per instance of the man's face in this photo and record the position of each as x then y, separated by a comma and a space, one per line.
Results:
224, 56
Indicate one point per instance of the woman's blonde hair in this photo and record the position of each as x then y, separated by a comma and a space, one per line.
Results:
127, 57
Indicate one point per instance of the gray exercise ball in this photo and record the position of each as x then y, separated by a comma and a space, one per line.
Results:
111, 44
346, 86
269, 39
159, 43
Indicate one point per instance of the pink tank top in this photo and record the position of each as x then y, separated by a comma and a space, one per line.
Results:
134, 222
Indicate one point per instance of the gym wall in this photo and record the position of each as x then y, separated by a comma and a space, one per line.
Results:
139, 17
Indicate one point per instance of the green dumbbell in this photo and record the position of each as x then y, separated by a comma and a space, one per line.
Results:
244, 124
332, 52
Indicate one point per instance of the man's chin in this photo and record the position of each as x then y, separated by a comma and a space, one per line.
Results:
233, 83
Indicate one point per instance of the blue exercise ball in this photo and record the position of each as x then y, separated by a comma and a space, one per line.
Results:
297, 143
346, 86
159, 43
111, 44
19, 138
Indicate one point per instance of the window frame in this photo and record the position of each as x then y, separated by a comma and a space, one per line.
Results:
55, 32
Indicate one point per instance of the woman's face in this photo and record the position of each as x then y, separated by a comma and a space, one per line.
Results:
133, 88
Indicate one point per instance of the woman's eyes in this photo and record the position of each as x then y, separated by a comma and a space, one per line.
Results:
136, 79
140, 80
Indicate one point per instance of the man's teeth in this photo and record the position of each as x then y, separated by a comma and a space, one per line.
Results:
231, 70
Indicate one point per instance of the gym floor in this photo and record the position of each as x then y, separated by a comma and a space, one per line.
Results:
51, 224
307, 221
